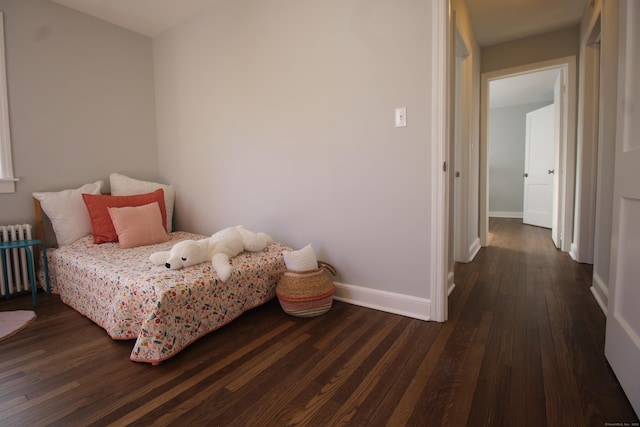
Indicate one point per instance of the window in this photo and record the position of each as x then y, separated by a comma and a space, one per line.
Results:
7, 181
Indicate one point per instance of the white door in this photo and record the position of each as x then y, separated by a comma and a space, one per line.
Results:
559, 107
622, 342
539, 167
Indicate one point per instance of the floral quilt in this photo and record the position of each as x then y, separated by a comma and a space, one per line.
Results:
163, 310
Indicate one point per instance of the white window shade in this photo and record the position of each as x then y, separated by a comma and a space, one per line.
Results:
7, 180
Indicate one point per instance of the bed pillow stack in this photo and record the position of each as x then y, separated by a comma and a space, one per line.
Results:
102, 227
83, 211
122, 185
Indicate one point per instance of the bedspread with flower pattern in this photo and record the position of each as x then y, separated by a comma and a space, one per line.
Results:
163, 310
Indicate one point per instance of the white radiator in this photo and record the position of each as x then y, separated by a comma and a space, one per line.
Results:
15, 260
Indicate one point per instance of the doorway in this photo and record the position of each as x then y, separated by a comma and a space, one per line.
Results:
521, 147
563, 173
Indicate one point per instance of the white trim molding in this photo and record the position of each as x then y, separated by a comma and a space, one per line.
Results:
467, 255
450, 283
573, 252
8, 185
7, 180
505, 214
474, 248
439, 155
404, 305
588, 129
600, 292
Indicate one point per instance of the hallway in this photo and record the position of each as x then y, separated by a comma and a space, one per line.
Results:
542, 362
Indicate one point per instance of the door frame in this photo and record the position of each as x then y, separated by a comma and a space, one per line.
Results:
440, 203
559, 106
459, 176
567, 145
582, 247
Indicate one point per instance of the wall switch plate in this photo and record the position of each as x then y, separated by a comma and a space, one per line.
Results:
401, 117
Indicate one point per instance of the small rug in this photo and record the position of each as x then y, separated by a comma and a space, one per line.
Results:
12, 322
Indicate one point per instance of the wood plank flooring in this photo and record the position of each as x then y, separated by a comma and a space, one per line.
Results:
523, 347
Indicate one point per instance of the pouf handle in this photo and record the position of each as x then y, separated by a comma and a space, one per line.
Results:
328, 267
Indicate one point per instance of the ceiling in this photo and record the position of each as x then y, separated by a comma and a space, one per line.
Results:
523, 89
498, 21
495, 21
148, 17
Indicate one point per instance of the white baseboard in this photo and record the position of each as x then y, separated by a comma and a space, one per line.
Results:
450, 284
600, 292
573, 252
405, 305
505, 214
474, 249
577, 256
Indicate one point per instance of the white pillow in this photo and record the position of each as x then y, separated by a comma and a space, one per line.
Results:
302, 260
122, 185
68, 213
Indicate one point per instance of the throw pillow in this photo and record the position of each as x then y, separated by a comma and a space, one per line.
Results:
138, 226
101, 224
301, 260
67, 212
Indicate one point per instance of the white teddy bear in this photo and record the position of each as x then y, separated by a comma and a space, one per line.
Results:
219, 248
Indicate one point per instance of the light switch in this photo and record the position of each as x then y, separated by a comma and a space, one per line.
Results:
401, 117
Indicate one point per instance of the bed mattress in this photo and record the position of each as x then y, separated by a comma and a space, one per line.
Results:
163, 310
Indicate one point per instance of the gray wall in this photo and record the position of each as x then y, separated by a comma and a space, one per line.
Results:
556, 44
280, 115
81, 102
507, 126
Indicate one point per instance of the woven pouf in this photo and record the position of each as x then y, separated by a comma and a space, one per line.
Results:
305, 294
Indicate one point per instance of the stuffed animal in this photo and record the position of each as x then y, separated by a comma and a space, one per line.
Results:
219, 248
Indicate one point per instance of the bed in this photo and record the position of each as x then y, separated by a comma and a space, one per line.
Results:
163, 310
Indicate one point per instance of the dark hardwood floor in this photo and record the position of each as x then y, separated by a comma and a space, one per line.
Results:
523, 347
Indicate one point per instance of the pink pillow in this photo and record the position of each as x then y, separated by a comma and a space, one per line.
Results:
97, 205
139, 225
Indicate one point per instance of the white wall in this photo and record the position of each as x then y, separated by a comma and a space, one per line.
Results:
507, 132
81, 101
279, 116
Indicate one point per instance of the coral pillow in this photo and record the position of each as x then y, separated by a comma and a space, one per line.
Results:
101, 224
138, 226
